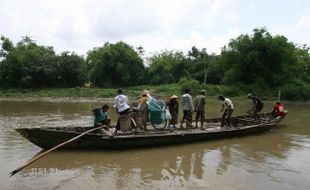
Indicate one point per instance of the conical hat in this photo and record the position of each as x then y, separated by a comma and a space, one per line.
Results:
145, 92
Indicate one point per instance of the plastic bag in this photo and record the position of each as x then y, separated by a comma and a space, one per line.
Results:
167, 114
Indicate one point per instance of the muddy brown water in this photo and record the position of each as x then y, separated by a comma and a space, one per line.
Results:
278, 159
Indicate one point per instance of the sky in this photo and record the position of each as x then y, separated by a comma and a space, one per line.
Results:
156, 25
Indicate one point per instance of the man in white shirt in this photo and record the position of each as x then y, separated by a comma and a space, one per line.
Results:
227, 110
188, 108
122, 107
121, 103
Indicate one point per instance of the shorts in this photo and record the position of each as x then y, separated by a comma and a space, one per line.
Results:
200, 115
187, 114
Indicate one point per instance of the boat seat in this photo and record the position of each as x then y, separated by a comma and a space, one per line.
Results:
126, 123
137, 116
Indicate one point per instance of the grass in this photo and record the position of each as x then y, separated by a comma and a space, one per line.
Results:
162, 91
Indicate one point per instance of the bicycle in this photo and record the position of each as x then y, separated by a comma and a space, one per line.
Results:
158, 115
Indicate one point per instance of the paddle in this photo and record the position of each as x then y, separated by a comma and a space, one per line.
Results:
54, 148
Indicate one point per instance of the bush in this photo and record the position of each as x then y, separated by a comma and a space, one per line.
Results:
230, 91
292, 91
192, 84
306, 92
211, 90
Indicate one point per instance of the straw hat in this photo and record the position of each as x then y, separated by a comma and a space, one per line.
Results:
145, 92
173, 96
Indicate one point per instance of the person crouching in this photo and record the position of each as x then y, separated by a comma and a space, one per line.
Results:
101, 116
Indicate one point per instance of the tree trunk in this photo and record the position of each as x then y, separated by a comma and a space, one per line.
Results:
205, 73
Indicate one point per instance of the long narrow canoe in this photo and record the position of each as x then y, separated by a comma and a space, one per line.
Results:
47, 137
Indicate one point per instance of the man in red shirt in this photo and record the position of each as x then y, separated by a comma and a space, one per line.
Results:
278, 110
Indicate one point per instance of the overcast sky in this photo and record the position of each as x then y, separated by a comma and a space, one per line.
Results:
156, 25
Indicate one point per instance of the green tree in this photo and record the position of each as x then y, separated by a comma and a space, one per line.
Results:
71, 70
26, 64
261, 58
214, 70
29, 65
115, 65
6, 46
303, 56
166, 67
198, 64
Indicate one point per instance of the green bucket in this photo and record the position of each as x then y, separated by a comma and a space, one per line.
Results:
156, 117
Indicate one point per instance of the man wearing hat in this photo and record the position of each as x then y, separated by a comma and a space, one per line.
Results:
143, 107
173, 105
199, 108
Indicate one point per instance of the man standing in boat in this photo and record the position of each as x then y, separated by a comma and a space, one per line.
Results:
188, 107
173, 105
227, 110
257, 106
200, 102
122, 107
143, 108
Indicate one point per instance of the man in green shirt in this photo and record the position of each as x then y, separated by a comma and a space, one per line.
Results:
101, 116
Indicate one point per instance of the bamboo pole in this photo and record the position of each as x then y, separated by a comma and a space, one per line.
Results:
50, 150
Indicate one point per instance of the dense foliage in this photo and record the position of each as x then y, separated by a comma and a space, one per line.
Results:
260, 58
166, 67
28, 65
257, 62
115, 65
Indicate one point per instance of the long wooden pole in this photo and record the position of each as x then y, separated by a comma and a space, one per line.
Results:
50, 150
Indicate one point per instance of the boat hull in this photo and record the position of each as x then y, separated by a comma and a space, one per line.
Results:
49, 137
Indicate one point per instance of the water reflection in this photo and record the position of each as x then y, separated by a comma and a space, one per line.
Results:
224, 160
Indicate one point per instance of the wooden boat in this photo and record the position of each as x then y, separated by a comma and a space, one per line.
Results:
47, 137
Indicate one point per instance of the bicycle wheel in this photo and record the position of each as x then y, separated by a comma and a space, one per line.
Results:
160, 126
157, 119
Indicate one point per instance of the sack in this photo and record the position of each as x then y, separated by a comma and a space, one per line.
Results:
167, 114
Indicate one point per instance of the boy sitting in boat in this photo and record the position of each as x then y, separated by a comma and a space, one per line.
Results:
278, 110
101, 116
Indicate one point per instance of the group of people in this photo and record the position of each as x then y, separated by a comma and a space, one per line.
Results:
197, 106
121, 106
227, 109
189, 107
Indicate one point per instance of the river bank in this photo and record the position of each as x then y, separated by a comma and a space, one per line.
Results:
160, 91
164, 91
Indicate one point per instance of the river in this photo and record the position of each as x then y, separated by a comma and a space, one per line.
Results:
278, 159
